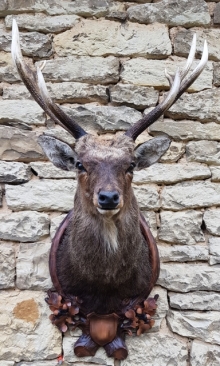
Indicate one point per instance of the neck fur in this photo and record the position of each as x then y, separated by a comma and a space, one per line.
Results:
110, 235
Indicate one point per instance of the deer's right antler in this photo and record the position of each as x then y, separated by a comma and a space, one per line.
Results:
178, 85
35, 83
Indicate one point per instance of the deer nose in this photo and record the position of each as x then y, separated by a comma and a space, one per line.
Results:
108, 200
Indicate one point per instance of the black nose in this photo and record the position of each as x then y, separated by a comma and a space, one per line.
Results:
108, 200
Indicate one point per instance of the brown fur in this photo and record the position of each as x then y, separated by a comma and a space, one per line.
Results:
104, 259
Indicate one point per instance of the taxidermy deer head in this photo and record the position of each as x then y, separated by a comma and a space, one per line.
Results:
104, 261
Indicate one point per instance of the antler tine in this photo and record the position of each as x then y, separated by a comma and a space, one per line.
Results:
31, 79
178, 86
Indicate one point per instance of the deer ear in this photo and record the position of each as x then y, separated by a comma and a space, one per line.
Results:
59, 153
151, 151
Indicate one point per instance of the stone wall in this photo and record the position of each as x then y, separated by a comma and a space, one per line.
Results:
105, 65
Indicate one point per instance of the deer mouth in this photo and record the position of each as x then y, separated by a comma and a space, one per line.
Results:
108, 211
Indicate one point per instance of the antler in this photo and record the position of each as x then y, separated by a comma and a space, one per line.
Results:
178, 85
35, 83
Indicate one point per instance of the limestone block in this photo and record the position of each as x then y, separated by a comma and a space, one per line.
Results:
202, 326
147, 196
155, 350
215, 171
26, 226
183, 40
183, 253
171, 173
214, 250
203, 151
7, 363
105, 37
48, 170
85, 69
43, 23
187, 130
1, 194
190, 195
32, 269
25, 111
7, 69
11, 172
182, 227
33, 44
198, 300
217, 15
184, 277
40, 195
26, 331
133, 95
162, 307
104, 118
204, 354
216, 74
212, 221
62, 92
151, 219
186, 13
140, 71
55, 223
202, 106
41, 363
174, 153
19, 145
99, 358
7, 265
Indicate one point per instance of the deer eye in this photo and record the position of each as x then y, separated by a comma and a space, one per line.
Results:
80, 167
131, 168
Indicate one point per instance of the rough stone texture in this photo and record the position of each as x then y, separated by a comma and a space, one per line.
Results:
7, 69
33, 44
185, 12
147, 196
45, 194
61, 134
183, 40
171, 173
134, 96
24, 111
32, 271
202, 106
174, 153
203, 151
18, 145
215, 171
62, 92
55, 223
206, 329
183, 253
182, 227
85, 69
7, 265
214, 250
27, 226
217, 15
104, 38
11, 172
212, 221
185, 277
43, 23
26, 331
48, 170
104, 118
139, 71
216, 74
155, 350
187, 130
198, 300
204, 354
190, 195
